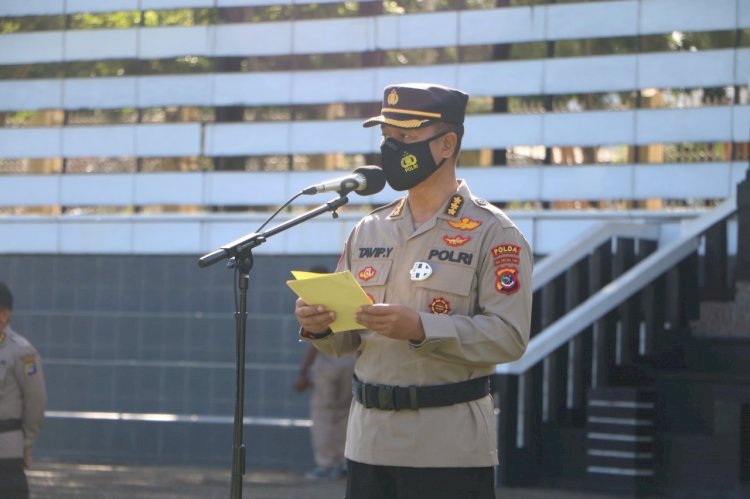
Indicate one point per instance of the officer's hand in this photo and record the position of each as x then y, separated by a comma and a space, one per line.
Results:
394, 321
27, 457
313, 318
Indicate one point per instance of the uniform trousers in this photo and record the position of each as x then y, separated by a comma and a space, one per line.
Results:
366, 481
13, 483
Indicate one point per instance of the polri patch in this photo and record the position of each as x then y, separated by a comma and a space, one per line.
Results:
507, 280
29, 364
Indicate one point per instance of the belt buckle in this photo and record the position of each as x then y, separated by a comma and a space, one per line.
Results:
386, 400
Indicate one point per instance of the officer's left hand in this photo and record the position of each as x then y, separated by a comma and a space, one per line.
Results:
394, 321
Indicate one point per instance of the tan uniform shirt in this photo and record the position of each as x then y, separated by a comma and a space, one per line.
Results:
22, 392
475, 308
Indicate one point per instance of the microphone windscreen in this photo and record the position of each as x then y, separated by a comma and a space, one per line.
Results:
374, 179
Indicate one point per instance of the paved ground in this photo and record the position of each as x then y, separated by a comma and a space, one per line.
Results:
93, 481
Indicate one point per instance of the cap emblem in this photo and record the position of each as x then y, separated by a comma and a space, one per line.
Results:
392, 98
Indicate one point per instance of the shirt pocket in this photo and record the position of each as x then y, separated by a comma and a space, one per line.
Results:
448, 290
372, 275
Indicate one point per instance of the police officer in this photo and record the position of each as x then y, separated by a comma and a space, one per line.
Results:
23, 398
450, 279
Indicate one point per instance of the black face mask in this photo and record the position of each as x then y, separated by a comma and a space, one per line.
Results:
406, 165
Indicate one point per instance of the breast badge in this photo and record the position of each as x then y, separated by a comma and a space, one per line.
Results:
457, 240
366, 273
420, 271
465, 223
440, 306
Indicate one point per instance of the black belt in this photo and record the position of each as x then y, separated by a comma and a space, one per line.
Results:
394, 398
9, 425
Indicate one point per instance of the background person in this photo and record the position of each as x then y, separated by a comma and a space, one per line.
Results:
331, 383
23, 398
450, 278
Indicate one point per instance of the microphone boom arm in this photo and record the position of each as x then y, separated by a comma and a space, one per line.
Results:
249, 241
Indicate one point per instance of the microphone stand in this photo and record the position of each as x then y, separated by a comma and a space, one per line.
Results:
240, 254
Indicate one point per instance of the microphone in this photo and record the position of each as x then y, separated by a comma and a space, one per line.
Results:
365, 180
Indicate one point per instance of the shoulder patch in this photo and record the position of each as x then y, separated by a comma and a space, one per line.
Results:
386, 206
29, 364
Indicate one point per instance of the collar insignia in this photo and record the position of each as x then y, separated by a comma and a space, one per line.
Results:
455, 205
398, 209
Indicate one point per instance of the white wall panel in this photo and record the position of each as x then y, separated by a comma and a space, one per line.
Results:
185, 90
584, 20
589, 74
417, 30
258, 88
94, 45
683, 125
665, 16
29, 190
95, 238
444, 75
114, 189
173, 41
543, 183
23, 48
174, 4
237, 139
333, 35
10, 8
179, 139
254, 39
502, 130
30, 142
741, 123
742, 67
507, 25
107, 6
315, 137
100, 93
109, 141
588, 129
166, 238
344, 85
682, 181
168, 188
30, 237
553, 235
686, 69
592, 20
502, 78
30, 94
586, 182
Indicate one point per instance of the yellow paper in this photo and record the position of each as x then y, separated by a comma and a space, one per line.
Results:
338, 292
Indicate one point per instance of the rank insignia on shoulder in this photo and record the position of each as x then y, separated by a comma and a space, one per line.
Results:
457, 240
464, 223
29, 364
398, 209
440, 306
454, 205
507, 280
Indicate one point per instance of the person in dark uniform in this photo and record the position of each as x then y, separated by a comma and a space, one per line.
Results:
23, 398
450, 279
